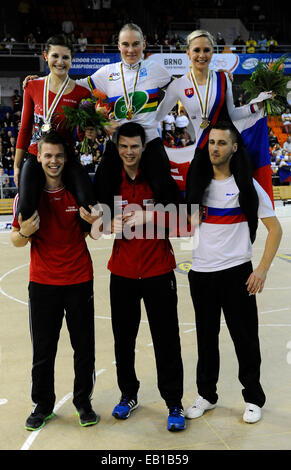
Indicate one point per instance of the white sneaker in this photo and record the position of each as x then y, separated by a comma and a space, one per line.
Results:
199, 406
252, 413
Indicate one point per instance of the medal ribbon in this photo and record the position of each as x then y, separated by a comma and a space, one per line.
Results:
127, 99
48, 111
203, 107
216, 108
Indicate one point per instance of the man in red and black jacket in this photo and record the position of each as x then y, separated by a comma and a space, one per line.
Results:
60, 280
141, 265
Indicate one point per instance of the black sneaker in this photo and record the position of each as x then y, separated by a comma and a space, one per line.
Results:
123, 409
87, 416
37, 420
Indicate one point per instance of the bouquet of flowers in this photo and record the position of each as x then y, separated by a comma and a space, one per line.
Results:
269, 78
93, 112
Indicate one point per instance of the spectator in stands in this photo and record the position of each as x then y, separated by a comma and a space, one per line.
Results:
82, 42
251, 44
156, 41
272, 138
7, 121
31, 41
182, 122
92, 144
177, 42
262, 43
287, 144
8, 41
87, 161
239, 43
12, 141
4, 183
8, 160
97, 159
286, 120
7, 144
169, 139
68, 28
240, 100
220, 42
38, 35
272, 44
166, 42
113, 39
168, 120
183, 137
276, 150
16, 102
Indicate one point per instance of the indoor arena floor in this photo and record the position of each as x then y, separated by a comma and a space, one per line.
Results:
219, 429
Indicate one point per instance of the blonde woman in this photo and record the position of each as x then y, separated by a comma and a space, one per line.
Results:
205, 94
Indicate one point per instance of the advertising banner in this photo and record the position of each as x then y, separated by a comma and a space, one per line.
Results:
178, 64
86, 64
241, 64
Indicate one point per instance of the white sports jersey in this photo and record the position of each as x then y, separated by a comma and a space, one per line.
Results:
151, 78
183, 89
224, 237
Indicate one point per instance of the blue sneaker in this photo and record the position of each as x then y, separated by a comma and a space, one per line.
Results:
176, 420
125, 407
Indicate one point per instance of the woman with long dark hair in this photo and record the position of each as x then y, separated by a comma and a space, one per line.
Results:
43, 103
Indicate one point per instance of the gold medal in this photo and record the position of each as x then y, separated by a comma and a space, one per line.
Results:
205, 123
129, 114
129, 97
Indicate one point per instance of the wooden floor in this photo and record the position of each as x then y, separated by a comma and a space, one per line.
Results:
219, 429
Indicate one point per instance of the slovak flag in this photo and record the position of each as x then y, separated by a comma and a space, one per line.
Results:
189, 92
254, 132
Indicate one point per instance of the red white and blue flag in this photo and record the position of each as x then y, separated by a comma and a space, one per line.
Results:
285, 173
254, 132
215, 215
189, 92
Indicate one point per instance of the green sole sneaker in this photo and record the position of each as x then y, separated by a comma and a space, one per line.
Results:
37, 421
87, 418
